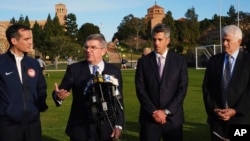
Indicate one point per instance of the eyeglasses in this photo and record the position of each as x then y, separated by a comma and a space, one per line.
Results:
91, 48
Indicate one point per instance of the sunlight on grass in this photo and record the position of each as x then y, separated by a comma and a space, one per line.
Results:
54, 120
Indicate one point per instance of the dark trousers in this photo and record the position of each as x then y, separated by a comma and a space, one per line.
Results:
21, 132
154, 132
219, 130
99, 131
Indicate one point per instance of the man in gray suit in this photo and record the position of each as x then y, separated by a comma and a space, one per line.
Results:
161, 84
227, 99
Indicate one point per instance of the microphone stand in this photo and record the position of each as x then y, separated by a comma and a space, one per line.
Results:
114, 89
99, 80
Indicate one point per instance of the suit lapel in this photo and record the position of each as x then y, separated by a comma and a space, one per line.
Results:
235, 85
153, 63
220, 66
237, 68
84, 71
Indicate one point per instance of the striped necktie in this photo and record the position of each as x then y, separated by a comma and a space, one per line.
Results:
227, 71
160, 65
226, 78
95, 67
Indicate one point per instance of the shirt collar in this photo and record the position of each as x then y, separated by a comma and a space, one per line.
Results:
235, 54
16, 56
100, 66
164, 55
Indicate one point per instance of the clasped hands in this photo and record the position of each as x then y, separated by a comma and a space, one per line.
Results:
160, 116
225, 114
61, 93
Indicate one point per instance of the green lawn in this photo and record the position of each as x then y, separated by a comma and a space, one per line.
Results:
195, 128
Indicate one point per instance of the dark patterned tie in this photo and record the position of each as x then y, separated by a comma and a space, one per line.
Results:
226, 78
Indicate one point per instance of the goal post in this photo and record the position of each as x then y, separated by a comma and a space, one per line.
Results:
203, 53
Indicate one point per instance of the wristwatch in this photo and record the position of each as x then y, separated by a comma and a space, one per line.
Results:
118, 126
167, 112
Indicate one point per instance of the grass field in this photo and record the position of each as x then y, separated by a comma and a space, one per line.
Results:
195, 128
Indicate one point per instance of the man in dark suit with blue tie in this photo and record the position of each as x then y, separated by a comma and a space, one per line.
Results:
161, 84
227, 92
97, 105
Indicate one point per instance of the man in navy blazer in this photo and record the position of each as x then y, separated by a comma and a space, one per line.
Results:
161, 96
97, 105
229, 105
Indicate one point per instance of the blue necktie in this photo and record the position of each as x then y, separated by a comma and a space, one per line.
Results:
90, 81
226, 78
95, 67
227, 72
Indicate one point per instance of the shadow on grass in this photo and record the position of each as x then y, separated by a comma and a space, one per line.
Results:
192, 131
46, 138
196, 131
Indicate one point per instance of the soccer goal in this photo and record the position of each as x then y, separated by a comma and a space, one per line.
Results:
203, 53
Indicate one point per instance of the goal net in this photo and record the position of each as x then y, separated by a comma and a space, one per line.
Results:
203, 53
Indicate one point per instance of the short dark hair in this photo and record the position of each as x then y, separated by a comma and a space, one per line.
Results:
161, 28
12, 31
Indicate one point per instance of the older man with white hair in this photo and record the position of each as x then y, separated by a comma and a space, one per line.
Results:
226, 86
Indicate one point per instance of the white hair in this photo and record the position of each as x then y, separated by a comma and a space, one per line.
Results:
233, 30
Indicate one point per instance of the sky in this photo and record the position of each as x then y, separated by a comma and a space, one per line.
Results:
108, 14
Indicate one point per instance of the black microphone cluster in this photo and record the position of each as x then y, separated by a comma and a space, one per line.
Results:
104, 96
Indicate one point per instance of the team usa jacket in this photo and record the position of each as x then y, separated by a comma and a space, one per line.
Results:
21, 102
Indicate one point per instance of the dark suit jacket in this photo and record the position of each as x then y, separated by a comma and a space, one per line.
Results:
167, 93
239, 94
76, 77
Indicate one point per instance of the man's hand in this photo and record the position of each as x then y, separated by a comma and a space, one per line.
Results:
225, 114
160, 116
116, 134
61, 94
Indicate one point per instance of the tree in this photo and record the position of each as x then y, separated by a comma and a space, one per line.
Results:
48, 28
144, 33
52, 28
58, 29
71, 26
21, 20
128, 27
85, 30
26, 21
13, 21
192, 25
38, 38
232, 15
182, 30
205, 26
244, 20
169, 20
63, 47
47, 33
130, 30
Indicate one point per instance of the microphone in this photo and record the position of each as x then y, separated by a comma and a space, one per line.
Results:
110, 79
115, 92
98, 78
